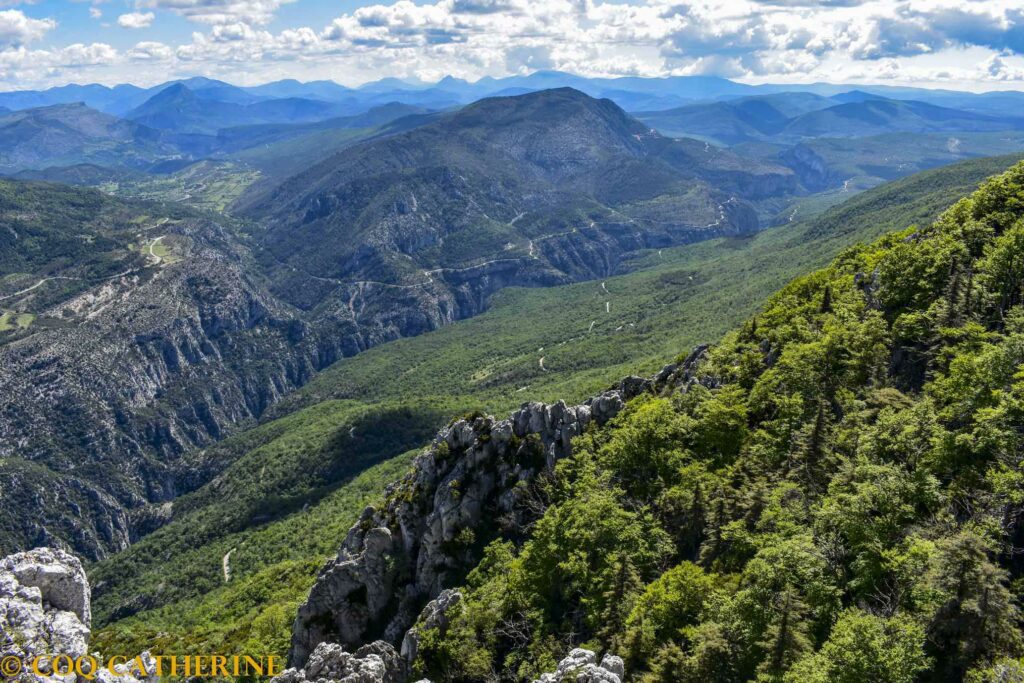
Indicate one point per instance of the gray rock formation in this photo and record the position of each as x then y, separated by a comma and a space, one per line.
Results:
329, 663
581, 667
477, 470
44, 605
434, 616
44, 612
475, 481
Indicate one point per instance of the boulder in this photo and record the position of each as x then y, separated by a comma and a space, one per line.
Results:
45, 611
330, 663
434, 616
581, 666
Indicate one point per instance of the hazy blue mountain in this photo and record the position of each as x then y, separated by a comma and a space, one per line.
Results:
792, 117
180, 109
96, 96
392, 84
317, 90
68, 134
78, 174
237, 138
631, 93
734, 121
855, 96
877, 116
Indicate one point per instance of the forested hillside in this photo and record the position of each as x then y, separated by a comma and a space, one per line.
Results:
677, 299
833, 495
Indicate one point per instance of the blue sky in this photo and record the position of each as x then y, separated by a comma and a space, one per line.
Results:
963, 44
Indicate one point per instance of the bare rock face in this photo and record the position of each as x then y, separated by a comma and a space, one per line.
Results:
57, 575
44, 611
476, 481
581, 667
44, 605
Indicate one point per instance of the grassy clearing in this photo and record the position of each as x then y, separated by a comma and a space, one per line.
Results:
11, 320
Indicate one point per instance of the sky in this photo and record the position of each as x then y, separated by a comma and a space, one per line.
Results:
959, 44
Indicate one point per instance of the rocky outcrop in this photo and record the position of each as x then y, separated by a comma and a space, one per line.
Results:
811, 169
393, 560
329, 663
434, 616
476, 481
581, 667
45, 612
44, 605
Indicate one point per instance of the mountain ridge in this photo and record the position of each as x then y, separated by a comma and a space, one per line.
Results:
198, 299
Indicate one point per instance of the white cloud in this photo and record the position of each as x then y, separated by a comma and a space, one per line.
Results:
19, 65
80, 54
254, 12
998, 69
937, 41
95, 12
136, 20
788, 39
150, 51
17, 29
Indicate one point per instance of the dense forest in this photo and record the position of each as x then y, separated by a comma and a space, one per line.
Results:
835, 496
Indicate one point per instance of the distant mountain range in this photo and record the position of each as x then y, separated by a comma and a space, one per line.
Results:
281, 129
66, 134
173, 125
793, 117
630, 93
180, 109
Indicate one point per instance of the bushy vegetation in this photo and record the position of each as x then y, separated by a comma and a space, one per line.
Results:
836, 497
71, 237
271, 566
169, 581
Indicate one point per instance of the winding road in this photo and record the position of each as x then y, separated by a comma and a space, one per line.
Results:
40, 283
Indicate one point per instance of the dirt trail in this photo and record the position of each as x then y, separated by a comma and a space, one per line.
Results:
152, 254
226, 565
